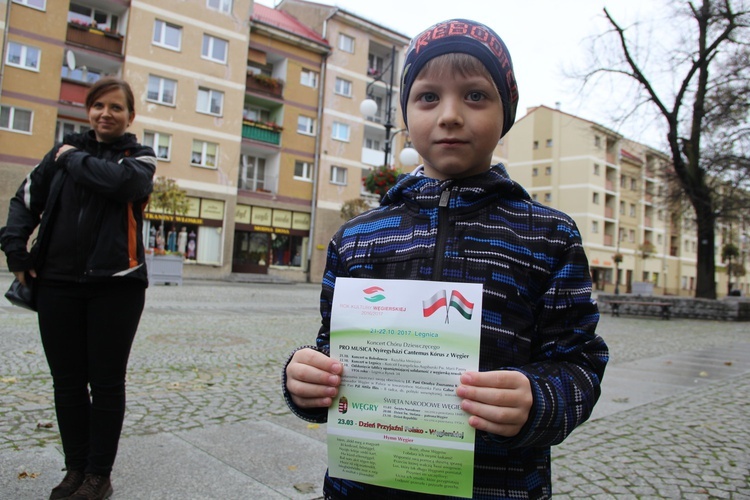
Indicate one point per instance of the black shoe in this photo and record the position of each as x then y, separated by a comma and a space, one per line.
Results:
94, 487
71, 482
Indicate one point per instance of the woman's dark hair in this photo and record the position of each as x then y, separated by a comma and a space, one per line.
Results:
108, 84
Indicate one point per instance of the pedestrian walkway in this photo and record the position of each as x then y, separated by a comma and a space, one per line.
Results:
206, 420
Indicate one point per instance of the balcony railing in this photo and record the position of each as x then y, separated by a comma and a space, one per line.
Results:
73, 92
94, 38
262, 133
264, 85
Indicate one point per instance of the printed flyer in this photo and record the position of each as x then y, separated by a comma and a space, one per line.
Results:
397, 420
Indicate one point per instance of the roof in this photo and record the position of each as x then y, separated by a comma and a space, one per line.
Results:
285, 22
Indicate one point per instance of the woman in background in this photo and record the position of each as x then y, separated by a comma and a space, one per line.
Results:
87, 196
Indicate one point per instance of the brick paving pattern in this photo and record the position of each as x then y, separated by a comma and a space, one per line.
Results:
210, 353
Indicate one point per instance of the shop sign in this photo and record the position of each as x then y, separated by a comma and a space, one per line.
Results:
212, 209
282, 218
194, 207
183, 219
261, 216
301, 221
242, 214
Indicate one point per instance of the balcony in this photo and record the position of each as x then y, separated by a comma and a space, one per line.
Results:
264, 85
93, 38
73, 92
261, 132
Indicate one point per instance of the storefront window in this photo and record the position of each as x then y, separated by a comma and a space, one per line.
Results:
250, 248
287, 250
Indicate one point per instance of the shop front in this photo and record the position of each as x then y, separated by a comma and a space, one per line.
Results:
270, 239
195, 235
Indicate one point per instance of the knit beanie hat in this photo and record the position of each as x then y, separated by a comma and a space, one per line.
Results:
469, 37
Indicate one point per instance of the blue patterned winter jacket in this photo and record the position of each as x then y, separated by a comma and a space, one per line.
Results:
537, 313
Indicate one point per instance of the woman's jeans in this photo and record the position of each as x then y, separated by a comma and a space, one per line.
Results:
87, 332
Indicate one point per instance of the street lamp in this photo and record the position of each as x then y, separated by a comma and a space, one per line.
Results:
369, 107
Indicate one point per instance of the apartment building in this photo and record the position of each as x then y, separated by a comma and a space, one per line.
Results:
615, 190
279, 161
219, 110
186, 62
365, 60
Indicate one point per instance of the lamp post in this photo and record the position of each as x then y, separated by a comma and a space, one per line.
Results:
369, 107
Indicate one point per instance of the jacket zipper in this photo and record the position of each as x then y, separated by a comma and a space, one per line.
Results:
442, 234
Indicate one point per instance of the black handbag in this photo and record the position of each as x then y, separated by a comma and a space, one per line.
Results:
22, 295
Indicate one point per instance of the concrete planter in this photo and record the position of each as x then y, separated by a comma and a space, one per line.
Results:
164, 269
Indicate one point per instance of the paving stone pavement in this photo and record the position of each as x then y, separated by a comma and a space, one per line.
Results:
205, 410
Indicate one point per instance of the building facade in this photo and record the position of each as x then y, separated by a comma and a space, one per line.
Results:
616, 190
364, 58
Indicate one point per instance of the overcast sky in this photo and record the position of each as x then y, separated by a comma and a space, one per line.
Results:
546, 39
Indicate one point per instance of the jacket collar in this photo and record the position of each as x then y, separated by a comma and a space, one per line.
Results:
478, 189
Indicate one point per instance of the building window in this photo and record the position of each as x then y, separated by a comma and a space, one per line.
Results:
623, 181
549, 143
340, 132
63, 128
214, 49
372, 144
597, 141
16, 119
256, 114
375, 65
534, 197
210, 101
303, 170
305, 125
633, 184
98, 18
160, 143
309, 78
167, 35
161, 90
37, 4
534, 172
343, 87
623, 235
622, 208
631, 236
632, 210
547, 170
204, 154
547, 197
346, 43
23, 56
596, 169
220, 5
338, 175
536, 144
595, 198
595, 226
252, 173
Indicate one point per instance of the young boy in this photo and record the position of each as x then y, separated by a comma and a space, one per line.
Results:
459, 218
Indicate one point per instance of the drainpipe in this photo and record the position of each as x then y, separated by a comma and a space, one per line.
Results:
316, 163
316, 169
5, 44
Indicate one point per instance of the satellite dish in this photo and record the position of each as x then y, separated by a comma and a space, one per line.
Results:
70, 60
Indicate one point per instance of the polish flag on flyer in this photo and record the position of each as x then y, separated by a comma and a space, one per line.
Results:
430, 306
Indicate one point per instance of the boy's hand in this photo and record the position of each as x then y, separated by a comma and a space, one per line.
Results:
312, 379
498, 401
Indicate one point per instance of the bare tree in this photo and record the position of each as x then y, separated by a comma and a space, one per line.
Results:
705, 111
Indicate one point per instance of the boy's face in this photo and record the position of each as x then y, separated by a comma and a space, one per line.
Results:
455, 123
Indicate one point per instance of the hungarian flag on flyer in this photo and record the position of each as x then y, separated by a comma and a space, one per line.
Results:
462, 305
434, 303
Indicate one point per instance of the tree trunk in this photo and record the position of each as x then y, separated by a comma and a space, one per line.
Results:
705, 287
